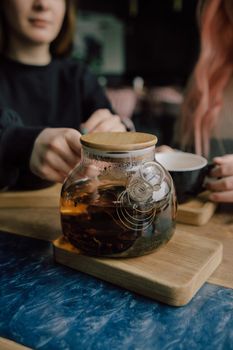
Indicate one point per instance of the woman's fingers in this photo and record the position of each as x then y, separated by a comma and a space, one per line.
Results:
223, 166
95, 119
72, 138
51, 174
223, 159
222, 189
56, 151
56, 162
51, 167
46, 172
164, 148
62, 148
222, 197
220, 181
112, 124
103, 120
223, 184
225, 169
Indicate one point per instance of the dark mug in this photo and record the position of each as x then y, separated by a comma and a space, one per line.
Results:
187, 170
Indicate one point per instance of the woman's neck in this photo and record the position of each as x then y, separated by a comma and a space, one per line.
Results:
28, 53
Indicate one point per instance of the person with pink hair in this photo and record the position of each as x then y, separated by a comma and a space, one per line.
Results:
206, 124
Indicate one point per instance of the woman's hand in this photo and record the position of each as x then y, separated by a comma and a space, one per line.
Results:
164, 148
103, 120
221, 184
56, 151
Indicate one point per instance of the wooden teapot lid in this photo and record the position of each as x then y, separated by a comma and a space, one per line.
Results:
118, 141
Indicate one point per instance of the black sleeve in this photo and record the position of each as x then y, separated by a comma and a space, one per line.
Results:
16, 143
93, 95
95, 98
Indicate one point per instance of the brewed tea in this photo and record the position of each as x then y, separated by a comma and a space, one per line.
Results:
100, 223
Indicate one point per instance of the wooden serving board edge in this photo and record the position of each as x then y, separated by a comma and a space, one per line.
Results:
103, 269
7, 344
195, 216
43, 198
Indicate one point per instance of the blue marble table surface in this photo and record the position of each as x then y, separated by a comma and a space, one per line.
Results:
44, 305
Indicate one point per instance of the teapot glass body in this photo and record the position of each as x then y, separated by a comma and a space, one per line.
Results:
118, 203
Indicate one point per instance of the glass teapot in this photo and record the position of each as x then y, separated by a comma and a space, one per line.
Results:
118, 201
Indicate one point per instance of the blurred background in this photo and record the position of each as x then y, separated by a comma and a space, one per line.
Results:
143, 52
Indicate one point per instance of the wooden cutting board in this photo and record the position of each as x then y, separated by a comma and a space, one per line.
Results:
39, 223
31, 213
197, 211
6, 344
44, 198
172, 274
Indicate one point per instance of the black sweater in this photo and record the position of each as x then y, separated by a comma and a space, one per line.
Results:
60, 94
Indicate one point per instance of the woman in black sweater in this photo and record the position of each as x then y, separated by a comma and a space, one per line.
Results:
45, 97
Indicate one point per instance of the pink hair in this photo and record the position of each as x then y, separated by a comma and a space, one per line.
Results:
211, 74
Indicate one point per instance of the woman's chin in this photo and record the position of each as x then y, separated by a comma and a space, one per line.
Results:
41, 37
